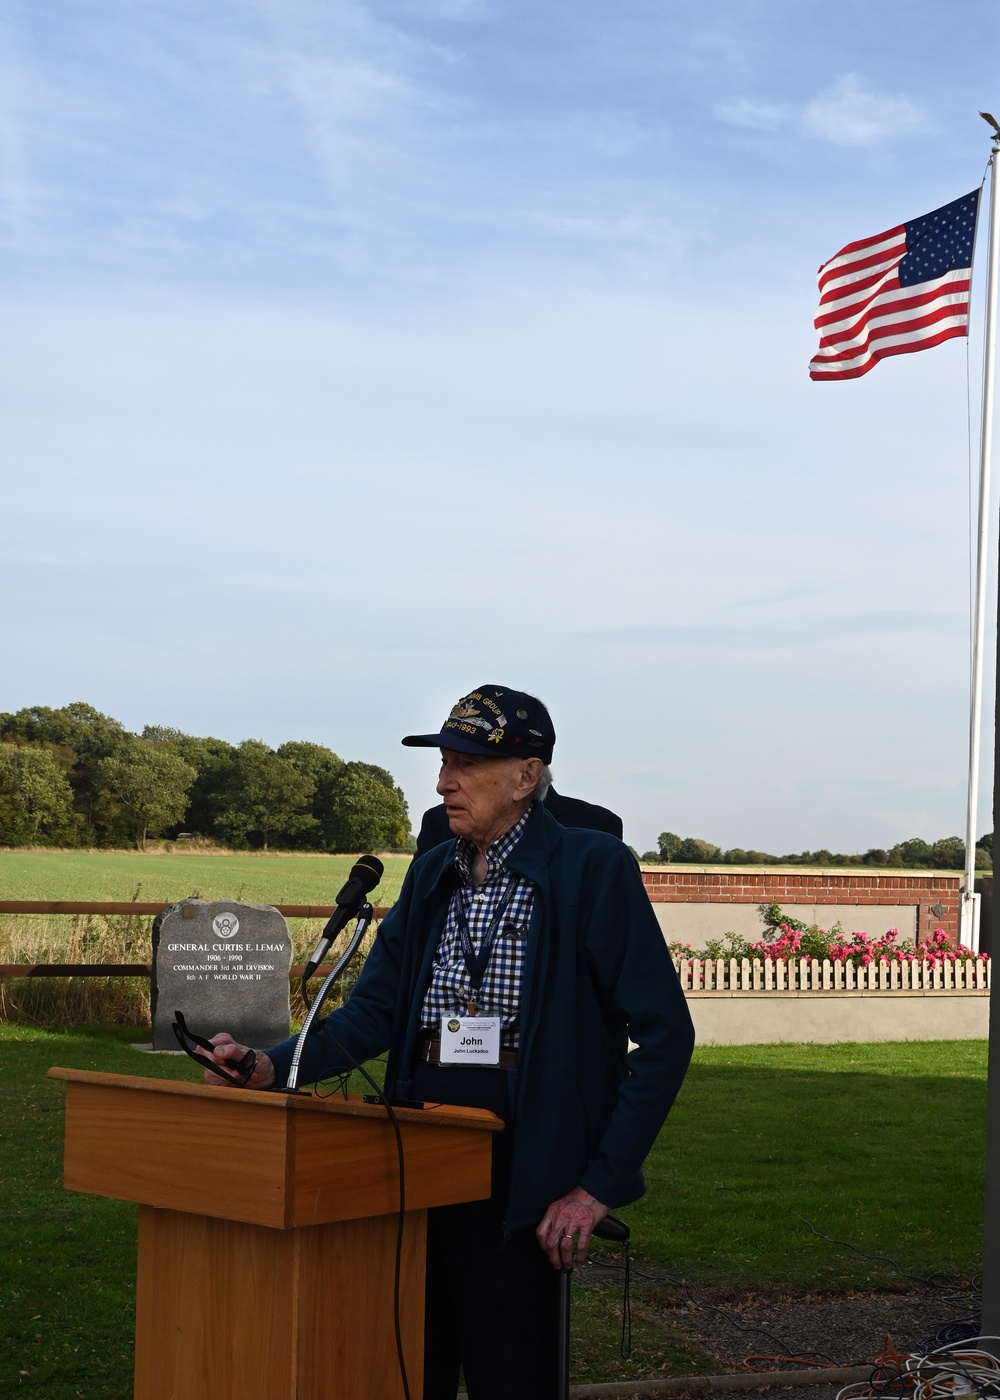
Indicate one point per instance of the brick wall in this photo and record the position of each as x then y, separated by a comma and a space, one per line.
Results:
690, 884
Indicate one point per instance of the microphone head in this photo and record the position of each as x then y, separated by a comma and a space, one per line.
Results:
367, 871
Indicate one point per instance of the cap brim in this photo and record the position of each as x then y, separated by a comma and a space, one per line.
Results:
455, 742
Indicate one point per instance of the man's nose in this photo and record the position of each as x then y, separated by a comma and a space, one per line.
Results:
445, 783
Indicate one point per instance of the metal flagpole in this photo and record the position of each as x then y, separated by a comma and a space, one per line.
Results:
990, 1324
969, 921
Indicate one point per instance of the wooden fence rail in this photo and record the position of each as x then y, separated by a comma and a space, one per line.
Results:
8, 971
813, 975
796, 975
69, 906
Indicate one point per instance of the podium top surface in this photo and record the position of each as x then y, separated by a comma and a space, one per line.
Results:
274, 1159
449, 1115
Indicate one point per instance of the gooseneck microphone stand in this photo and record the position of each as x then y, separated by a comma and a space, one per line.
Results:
308, 1025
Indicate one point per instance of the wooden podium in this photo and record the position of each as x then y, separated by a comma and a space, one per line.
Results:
267, 1230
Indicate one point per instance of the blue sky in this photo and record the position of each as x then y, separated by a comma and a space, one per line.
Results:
355, 355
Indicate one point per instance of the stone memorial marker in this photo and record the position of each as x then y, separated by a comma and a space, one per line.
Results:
225, 965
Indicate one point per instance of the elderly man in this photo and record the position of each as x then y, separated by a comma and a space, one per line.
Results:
568, 811
540, 940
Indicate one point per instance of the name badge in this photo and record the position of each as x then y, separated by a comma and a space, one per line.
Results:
470, 1040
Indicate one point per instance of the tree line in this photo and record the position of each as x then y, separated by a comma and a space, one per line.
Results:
76, 777
946, 854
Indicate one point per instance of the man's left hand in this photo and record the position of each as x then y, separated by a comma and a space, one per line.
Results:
571, 1217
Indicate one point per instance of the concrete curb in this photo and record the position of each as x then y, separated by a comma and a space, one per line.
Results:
711, 1385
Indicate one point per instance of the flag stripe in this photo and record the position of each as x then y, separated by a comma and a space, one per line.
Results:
918, 328
846, 287
831, 359
853, 369
850, 271
954, 292
857, 299
861, 249
899, 291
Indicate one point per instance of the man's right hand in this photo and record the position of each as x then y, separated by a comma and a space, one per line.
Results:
227, 1052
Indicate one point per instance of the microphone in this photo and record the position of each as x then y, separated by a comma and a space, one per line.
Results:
364, 876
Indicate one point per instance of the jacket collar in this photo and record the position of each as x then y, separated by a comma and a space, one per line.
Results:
532, 854
530, 857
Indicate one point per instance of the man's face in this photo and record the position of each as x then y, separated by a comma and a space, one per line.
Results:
484, 796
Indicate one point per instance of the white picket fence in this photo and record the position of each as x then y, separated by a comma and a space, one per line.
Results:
812, 975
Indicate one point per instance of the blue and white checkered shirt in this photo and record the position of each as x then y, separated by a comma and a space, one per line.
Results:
449, 992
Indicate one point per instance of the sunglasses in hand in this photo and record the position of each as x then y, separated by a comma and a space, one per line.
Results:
187, 1040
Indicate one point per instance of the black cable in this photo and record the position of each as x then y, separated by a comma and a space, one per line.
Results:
384, 1100
846, 1244
926, 1279
658, 1277
338, 1083
889, 1381
749, 1327
958, 1329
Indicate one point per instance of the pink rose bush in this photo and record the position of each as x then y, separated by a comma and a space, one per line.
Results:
815, 944
786, 938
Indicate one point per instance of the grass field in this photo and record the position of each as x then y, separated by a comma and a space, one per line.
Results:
165, 874
880, 1146
170, 874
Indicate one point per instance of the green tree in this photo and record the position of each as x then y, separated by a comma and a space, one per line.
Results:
915, 852
948, 854
668, 844
36, 800
88, 732
266, 798
324, 768
694, 851
142, 789
368, 810
212, 760
85, 733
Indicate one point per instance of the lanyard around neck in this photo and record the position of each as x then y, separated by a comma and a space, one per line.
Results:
477, 962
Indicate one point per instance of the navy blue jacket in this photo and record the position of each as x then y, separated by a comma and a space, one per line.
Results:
597, 973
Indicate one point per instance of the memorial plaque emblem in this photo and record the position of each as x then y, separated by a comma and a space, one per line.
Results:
226, 925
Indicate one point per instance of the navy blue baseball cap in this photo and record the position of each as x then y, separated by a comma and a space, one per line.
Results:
494, 719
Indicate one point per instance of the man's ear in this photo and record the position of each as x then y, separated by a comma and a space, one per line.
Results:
531, 772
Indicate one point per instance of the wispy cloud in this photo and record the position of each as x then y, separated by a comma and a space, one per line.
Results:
755, 116
846, 113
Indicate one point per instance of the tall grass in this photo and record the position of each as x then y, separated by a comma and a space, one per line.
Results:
110, 938
80, 938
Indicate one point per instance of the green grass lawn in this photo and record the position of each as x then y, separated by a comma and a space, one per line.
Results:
878, 1145
257, 878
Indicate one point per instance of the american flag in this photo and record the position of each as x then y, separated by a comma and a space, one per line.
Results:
903, 290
